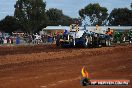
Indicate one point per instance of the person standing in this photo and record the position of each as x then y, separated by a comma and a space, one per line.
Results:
29, 39
37, 38
17, 40
5, 40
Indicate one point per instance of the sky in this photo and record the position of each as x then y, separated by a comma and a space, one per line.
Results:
69, 7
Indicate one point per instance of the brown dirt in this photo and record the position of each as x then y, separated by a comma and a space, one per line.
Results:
49, 67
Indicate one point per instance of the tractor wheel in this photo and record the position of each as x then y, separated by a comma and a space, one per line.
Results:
85, 45
107, 42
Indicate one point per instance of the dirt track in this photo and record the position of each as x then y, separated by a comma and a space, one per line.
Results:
49, 67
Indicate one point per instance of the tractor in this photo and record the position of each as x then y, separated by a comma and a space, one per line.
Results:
76, 37
73, 38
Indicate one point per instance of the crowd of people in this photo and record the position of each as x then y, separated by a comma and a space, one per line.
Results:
37, 39
27, 39
50, 38
6, 40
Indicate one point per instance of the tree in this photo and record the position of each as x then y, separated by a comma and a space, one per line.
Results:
56, 17
9, 24
120, 16
31, 14
95, 12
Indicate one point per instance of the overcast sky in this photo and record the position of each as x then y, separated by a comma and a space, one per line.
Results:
69, 7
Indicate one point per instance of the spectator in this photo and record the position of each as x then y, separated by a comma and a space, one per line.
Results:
11, 40
37, 38
45, 38
5, 40
17, 40
1, 40
42, 37
30, 39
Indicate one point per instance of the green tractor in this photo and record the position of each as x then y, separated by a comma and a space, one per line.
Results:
117, 37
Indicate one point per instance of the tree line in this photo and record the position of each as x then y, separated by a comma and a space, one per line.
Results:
31, 16
98, 15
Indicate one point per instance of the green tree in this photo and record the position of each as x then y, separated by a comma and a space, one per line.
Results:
9, 24
120, 16
56, 17
95, 12
31, 14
